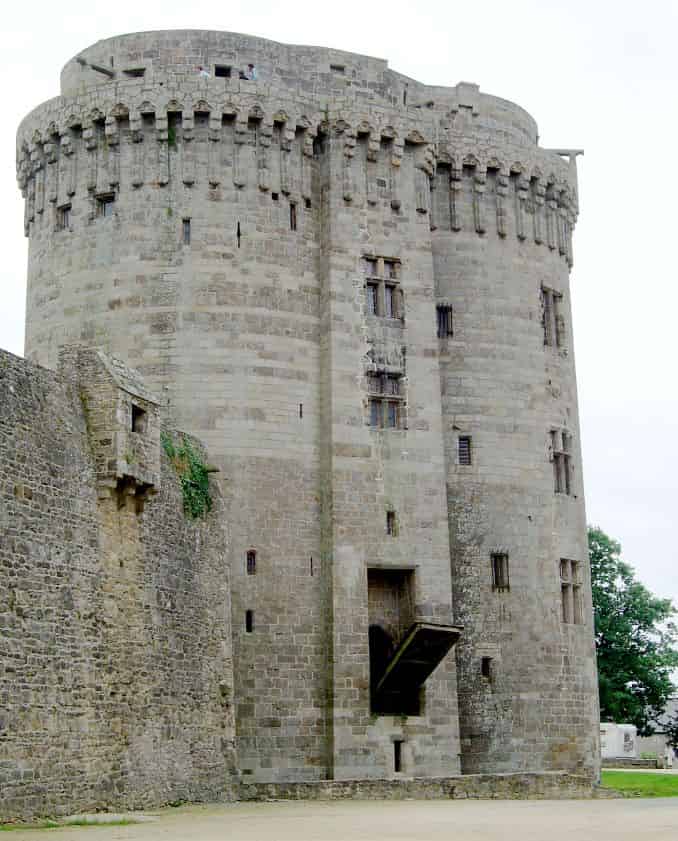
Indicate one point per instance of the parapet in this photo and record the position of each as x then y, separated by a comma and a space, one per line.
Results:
123, 424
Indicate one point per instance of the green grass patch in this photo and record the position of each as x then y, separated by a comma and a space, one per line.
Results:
48, 824
639, 784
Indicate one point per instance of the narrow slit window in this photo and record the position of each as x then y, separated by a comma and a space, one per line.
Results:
249, 621
186, 231
571, 607
391, 526
464, 449
389, 301
398, 755
444, 321
486, 667
561, 456
251, 559
500, 571
293, 216
238, 233
372, 298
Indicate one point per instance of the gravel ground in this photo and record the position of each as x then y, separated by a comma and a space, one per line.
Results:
494, 820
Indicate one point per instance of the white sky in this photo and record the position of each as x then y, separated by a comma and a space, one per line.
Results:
596, 74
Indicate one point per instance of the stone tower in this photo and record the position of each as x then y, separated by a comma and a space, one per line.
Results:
354, 288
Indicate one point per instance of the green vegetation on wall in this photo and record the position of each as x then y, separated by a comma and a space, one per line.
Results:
193, 475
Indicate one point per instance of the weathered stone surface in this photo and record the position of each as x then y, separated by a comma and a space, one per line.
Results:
116, 683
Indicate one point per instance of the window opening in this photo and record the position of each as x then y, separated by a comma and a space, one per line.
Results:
464, 449
251, 562
186, 231
301, 410
552, 317
385, 411
105, 204
389, 309
237, 233
398, 755
444, 319
382, 289
249, 621
500, 571
372, 295
571, 592
307, 203
486, 667
135, 72
64, 217
391, 526
561, 455
222, 71
275, 196
338, 68
311, 564
139, 419
293, 216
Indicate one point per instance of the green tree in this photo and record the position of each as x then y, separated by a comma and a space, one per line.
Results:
635, 639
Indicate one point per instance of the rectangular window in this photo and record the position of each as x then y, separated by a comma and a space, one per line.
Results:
561, 456
486, 667
105, 204
500, 571
64, 217
384, 295
293, 216
139, 419
249, 621
186, 231
134, 72
372, 298
571, 607
391, 527
552, 318
222, 71
444, 321
398, 755
384, 410
464, 449
251, 562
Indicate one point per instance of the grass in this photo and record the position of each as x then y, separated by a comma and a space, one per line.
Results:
640, 784
48, 824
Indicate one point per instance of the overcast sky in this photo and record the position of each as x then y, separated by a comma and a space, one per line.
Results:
601, 75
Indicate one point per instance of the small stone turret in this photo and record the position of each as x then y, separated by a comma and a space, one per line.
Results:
123, 422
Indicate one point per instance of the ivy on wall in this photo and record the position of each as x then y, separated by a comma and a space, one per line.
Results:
193, 475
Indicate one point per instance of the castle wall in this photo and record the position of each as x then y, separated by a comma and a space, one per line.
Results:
255, 327
116, 670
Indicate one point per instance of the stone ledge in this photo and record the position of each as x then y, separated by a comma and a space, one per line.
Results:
550, 785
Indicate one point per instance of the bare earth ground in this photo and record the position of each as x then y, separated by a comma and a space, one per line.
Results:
565, 820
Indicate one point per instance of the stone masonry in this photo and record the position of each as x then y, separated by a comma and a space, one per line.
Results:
354, 289
116, 676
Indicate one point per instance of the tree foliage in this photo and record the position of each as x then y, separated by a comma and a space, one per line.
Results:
635, 639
